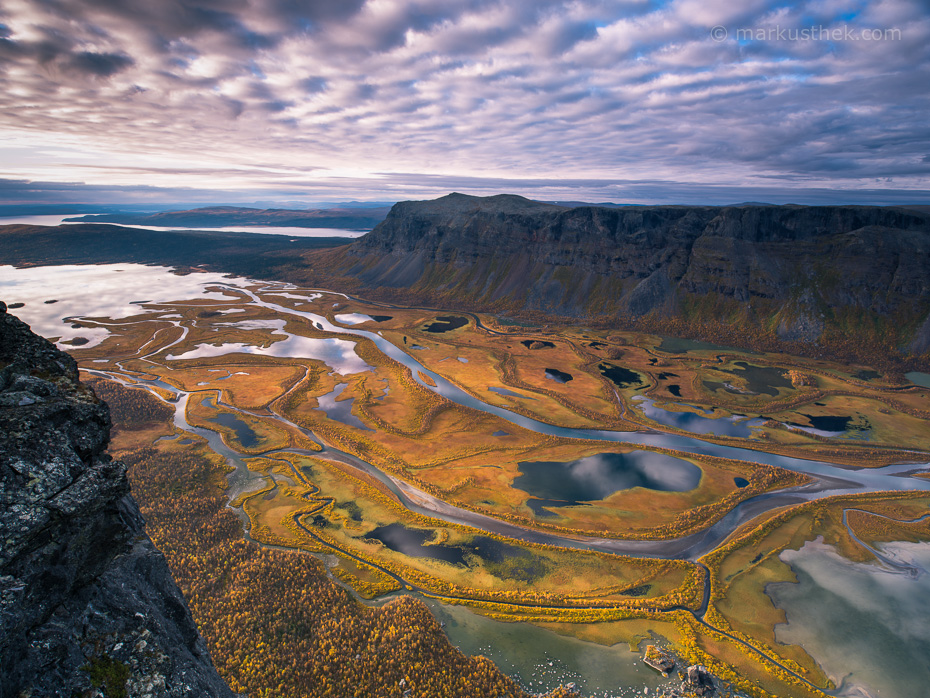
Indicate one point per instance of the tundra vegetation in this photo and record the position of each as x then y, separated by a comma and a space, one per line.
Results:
277, 625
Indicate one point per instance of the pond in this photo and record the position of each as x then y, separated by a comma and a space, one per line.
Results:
352, 318
558, 376
446, 323
541, 660
678, 345
621, 377
341, 410
764, 380
412, 542
735, 425
244, 433
918, 378
597, 477
537, 344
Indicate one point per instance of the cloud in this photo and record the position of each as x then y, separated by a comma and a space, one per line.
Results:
500, 91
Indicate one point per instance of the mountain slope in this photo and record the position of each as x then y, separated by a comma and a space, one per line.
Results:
799, 273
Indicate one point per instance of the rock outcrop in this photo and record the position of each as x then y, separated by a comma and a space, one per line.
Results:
88, 606
796, 270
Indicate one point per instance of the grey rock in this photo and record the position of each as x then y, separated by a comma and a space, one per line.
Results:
81, 584
509, 252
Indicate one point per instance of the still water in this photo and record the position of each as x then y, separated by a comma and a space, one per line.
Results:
292, 231
867, 625
542, 660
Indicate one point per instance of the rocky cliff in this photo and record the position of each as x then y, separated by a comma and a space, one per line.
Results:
88, 606
795, 271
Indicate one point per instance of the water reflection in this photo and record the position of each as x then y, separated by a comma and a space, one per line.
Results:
697, 423
341, 410
97, 291
599, 476
338, 354
863, 623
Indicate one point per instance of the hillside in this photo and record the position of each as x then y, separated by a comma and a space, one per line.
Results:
797, 274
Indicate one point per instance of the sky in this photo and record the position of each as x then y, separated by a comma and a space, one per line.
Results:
301, 101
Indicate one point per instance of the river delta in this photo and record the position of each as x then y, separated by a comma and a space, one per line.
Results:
550, 481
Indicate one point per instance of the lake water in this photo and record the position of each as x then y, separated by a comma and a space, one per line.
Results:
99, 291
542, 660
341, 410
599, 476
292, 231
918, 378
697, 423
867, 625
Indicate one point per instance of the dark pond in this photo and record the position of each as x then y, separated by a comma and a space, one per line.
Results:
500, 559
558, 376
244, 433
506, 561
741, 482
640, 590
537, 344
621, 377
501, 433
445, 323
509, 393
675, 390
597, 477
664, 376
596, 345
761, 379
412, 542
827, 422
867, 375
381, 318
538, 506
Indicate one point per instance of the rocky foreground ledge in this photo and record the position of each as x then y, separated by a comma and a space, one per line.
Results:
88, 606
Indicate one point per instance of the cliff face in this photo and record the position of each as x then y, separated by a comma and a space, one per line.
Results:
88, 606
797, 267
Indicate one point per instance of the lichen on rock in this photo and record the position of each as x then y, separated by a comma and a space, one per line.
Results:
88, 605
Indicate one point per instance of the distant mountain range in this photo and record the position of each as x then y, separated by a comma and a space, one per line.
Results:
357, 218
804, 274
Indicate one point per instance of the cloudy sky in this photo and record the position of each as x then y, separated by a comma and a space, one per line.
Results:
304, 100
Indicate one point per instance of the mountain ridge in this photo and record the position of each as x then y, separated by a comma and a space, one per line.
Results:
800, 274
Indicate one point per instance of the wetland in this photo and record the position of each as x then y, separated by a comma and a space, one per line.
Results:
476, 473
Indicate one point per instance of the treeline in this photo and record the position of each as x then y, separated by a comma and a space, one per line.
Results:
131, 408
